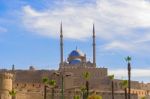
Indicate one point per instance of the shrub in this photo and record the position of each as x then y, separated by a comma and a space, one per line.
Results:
94, 96
76, 97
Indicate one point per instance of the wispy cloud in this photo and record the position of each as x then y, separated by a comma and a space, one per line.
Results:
3, 30
116, 22
138, 74
132, 46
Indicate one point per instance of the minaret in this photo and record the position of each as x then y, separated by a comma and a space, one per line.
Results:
13, 67
94, 48
61, 45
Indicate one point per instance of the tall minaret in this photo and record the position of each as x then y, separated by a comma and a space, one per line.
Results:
94, 48
13, 68
61, 45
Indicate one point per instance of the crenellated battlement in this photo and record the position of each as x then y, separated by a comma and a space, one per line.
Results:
6, 75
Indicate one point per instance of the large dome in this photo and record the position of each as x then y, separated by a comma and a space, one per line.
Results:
76, 53
76, 57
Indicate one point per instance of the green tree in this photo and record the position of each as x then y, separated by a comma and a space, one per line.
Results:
86, 76
12, 93
111, 77
52, 83
124, 84
128, 60
45, 81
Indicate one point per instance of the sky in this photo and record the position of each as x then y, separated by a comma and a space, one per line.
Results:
29, 33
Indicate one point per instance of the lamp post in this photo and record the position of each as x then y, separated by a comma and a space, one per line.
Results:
62, 82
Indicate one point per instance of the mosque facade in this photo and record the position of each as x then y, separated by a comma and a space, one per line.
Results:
28, 83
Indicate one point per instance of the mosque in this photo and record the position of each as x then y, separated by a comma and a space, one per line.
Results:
69, 80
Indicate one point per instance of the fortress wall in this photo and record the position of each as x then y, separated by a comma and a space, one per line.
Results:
78, 71
29, 86
141, 93
96, 78
145, 86
29, 95
118, 95
70, 95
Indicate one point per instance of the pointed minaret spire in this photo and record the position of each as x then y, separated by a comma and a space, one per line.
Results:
94, 47
61, 44
13, 67
76, 47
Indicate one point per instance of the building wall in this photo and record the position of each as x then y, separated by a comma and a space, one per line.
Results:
97, 79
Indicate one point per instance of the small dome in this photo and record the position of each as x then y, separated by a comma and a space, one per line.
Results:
32, 68
76, 53
75, 61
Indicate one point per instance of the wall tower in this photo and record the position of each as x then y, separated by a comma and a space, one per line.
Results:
5, 85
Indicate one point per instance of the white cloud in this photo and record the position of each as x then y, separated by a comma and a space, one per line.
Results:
119, 46
135, 73
131, 46
114, 22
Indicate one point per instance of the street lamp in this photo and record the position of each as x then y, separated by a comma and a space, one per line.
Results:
62, 81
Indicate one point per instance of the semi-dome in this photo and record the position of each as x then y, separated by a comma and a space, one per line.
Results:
76, 53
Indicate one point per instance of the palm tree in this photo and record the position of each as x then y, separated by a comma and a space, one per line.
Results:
111, 77
45, 80
12, 93
86, 76
53, 84
128, 59
124, 84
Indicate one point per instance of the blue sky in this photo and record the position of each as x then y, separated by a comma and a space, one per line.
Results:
29, 33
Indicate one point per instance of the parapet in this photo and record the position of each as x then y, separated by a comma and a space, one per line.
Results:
6, 75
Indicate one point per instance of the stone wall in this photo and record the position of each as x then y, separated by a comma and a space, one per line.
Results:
39, 95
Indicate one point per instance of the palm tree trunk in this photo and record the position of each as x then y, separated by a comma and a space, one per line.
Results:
125, 92
13, 97
83, 95
45, 91
112, 90
52, 93
87, 88
129, 80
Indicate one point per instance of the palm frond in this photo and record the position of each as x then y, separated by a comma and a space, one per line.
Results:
12, 92
83, 88
86, 75
111, 77
52, 83
128, 59
124, 83
45, 80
